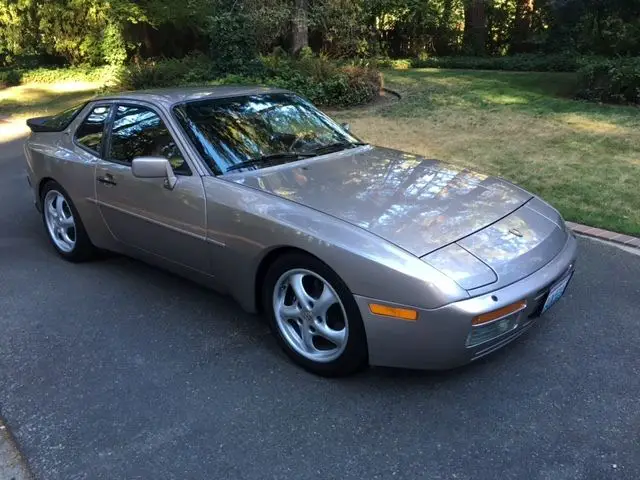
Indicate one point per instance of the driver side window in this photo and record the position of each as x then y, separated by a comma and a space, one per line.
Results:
138, 131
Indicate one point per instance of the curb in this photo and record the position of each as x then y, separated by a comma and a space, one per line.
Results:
13, 465
606, 235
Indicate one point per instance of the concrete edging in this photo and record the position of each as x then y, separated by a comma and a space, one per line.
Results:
599, 233
12, 464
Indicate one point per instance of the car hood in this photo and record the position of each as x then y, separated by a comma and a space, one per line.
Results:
416, 203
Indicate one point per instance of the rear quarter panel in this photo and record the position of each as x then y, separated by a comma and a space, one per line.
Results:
244, 225
54, 156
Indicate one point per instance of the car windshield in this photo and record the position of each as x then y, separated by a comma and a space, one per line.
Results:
257, 131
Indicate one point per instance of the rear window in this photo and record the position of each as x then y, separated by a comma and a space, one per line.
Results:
62, 119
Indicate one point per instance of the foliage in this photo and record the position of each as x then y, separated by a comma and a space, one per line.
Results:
615, 81
523, 62
70, 74
316, 77
9, 78
524, 35
158, 73
80, 31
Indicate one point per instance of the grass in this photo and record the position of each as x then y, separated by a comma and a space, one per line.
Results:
582, 157
49, 90
37, 99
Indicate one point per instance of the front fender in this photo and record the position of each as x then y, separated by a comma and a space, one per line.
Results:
244, 225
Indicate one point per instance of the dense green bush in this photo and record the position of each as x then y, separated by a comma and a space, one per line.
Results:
521, 63
386, 62
614, 81
70, 74
9, 78
167, 72
316, 77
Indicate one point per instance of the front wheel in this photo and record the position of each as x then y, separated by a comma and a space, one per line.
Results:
314, 316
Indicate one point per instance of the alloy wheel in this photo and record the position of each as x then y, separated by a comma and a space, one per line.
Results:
60, 222
310, 315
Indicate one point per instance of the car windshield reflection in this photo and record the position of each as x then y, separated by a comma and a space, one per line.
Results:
258, 131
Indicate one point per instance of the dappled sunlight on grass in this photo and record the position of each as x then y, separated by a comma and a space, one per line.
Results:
585, 124
504, 99
584, 158
41, 99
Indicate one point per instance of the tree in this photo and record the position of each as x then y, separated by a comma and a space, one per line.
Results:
475, 27
300, 26
521, 31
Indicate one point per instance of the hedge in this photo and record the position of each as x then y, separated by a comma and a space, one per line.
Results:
611, 81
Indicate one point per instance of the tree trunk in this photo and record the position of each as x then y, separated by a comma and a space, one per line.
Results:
522, 25
475, 27
300, 26
443, 41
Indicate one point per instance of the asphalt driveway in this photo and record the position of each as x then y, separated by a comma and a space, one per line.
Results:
116, 370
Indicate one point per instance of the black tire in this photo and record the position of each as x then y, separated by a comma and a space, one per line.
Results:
354, 357
83, 249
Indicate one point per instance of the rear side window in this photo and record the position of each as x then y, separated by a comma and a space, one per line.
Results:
91, 131
62, 120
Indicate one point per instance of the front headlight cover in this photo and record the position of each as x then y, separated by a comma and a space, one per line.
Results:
461, 266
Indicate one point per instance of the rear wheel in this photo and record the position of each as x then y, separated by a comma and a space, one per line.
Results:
314, 316
64, 227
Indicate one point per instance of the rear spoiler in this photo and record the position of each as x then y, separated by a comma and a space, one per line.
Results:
39, 124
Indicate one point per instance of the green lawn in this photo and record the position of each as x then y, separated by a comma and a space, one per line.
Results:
584, 158
33, 99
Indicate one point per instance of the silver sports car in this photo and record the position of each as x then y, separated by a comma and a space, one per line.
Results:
356, 254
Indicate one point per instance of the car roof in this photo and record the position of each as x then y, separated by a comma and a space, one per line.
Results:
171, 96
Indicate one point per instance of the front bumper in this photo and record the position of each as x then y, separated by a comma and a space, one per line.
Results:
438, 338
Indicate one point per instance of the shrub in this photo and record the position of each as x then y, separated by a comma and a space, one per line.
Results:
69, 74
9, 78
396, 63
522, 63
324, 82
316, 77
158, 73
614, 81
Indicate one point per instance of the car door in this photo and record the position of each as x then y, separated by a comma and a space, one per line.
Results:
144, 213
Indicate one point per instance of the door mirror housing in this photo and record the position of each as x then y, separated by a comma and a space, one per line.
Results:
154, 167
346, 126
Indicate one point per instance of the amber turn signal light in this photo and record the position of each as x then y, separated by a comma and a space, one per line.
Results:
386, 311
501, 312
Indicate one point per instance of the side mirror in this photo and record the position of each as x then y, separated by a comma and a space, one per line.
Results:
154, 167
346, 126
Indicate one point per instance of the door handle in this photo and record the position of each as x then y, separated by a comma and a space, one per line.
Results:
107, 179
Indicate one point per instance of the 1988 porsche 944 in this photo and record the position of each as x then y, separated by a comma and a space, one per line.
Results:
356, 254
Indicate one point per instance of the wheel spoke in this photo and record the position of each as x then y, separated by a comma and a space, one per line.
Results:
52, 210
66, 221
59, 206
327, 298
303, 297
306, 337
336, 337
64, 233
289, 311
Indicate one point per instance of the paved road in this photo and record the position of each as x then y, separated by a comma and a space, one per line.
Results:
116, 370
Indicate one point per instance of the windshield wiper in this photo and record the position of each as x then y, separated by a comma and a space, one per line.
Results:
336, 147
268, 159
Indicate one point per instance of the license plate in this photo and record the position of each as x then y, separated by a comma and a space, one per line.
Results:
556, 293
